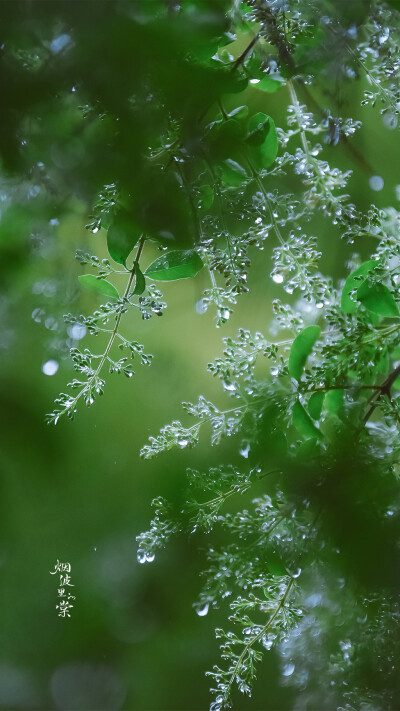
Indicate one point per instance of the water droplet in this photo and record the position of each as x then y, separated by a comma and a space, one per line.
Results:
228, 386
51, 323
141, 556
376, 183
34, 191
288, 669
183, 443
50, 367
150, 557
390, 121
267, 643
37, 315
224, 314
77, 331
201, 306
245, 451
254, 81
59, 43
203, 609
313, 600
277, 278
274, 370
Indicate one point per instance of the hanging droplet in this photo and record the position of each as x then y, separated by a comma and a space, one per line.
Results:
288, 669
277, 278
141, 556
203, 609
50, 367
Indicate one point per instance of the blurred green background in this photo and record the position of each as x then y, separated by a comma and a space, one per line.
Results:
79, 492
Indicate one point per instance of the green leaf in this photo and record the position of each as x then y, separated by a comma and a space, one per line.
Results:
101, 286
378, 299
140, 281
334, 401
224, 138
258, 127
178, 264
239, 113
233, 173
315, 405
351, 283
263, 154
122, 236
303, 422
206, 197
269, 85
301, 349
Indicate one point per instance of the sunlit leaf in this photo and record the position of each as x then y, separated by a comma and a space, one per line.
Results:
301, 349
178, 264
100, 286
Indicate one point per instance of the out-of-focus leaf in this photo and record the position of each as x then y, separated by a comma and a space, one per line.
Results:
334, 401
315, 404
301, 349
178, 264
100, 286
303, 422
206, 197
269, 85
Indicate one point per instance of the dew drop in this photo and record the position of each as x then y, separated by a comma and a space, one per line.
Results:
37, 315
376, 183
267, 643
59, 43
150, 557
288, 669
77, 331
245, 451
201, 306
277, 278
141, 556
50, 367
203, 609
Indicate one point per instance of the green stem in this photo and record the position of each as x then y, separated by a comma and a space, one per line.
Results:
113, 335
257, 637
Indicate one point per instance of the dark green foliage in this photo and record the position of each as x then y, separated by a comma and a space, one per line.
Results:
213, 131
